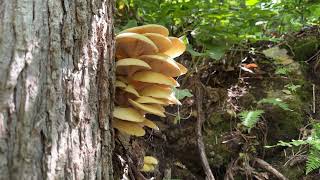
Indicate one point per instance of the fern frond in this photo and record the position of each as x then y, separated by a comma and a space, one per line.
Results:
313, 161
275, 102
250, 118
313, 141
316, 131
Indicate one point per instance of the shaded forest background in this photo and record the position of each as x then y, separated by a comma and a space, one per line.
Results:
256, 66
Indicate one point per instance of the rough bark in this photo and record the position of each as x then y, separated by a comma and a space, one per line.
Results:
56, 91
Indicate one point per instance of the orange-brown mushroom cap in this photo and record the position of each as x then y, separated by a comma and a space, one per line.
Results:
128, 114
120, 84
150, 124
154, 77
162, 42
182, 68
134, 45
129, 66
123, 79
150, 28
130, 89
162, 64
151, 100
148, 108
178, 47
156, 91
129, 128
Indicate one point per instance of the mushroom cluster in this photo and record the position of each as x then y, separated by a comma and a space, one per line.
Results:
149, 163
145, 71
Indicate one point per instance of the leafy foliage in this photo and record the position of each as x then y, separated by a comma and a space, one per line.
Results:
313, 141
289, 144
250, 118
282, 70
275, 102
292, 87
216, 25
313, 161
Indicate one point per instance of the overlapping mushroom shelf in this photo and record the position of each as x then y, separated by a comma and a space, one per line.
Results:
145, 71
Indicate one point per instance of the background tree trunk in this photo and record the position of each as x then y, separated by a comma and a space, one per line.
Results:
56, 91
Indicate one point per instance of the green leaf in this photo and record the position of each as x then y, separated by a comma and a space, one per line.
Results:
289, 144
193, 52
293, 88
250, 118
177, 119
286, 91
216, 53
251, 2
282, 71
182, 93
275, 102
313, 161
130, 24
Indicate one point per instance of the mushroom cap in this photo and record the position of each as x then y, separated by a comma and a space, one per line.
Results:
162, 42
150, 28
158, 106
123, 79
177, 49
162, 64
127, 127
174, 100
150, 160
156, 91
182, 68
150, 124
139, 85
134, 45
128, 114
130, 89
148, 108
128, 66
154, 77
147, 168
120, 84
151, 100
122, 98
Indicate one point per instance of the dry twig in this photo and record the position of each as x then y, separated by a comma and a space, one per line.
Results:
200, 120
264, 165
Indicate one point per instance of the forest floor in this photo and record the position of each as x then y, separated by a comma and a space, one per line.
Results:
248, 78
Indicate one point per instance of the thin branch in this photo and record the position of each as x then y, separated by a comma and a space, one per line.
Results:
264, 165
311, 58
314, 98
200, 120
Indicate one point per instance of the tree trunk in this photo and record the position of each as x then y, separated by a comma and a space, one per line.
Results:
56, 89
